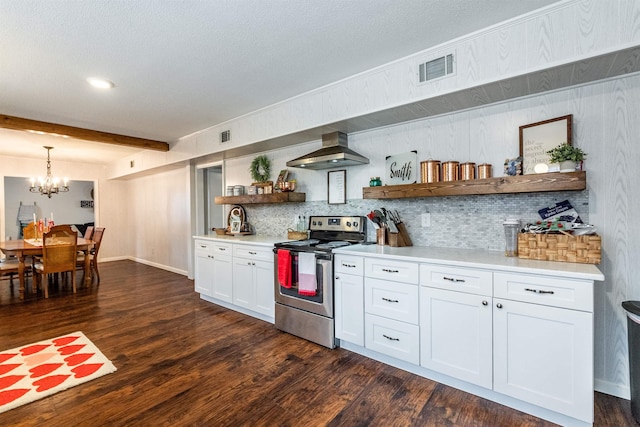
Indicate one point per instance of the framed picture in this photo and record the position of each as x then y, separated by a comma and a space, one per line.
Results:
538, 138
337, 187
235, 226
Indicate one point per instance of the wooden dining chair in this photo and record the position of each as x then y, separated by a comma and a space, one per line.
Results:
9, 267
59, 255
98, 232
30, 231
88, 233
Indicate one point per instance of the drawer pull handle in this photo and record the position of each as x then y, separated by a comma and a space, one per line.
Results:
390, 338
539, 291
485, 303
253, 253
203, 246
222, 249
389, 300
451, 279
386, 270
348, 265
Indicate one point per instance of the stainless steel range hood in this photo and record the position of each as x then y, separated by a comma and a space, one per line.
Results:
334, 153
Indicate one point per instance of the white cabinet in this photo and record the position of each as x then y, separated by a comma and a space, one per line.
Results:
253, 276
213, 269
456, 322
391, 308
349, 298
204, 267
544, 354
349, 308
222, 273
241, 275
456, 335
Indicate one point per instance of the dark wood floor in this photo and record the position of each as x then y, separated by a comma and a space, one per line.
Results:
182, 361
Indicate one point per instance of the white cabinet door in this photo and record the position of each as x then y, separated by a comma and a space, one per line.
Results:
263, 279
455, 335
222, 278
203, 272
349, 308
544, 355
243, 284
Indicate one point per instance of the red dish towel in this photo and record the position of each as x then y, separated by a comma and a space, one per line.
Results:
284, 268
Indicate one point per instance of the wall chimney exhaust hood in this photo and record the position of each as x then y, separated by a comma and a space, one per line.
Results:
334, 153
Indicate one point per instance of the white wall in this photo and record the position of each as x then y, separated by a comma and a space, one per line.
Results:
65, 207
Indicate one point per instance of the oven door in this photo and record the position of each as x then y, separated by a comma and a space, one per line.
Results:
322, 302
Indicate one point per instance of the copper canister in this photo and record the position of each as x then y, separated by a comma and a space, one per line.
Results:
484, 171
450, 171
430, 171
467, 171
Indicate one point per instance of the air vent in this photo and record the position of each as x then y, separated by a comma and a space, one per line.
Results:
225, 136
436, 68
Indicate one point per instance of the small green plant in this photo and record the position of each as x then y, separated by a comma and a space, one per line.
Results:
565, 152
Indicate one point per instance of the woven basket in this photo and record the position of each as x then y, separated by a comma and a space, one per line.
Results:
585, 249
296, 235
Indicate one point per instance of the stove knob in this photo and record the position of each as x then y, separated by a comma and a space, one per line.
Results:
320, 223
355, 224
348, 223
314, 223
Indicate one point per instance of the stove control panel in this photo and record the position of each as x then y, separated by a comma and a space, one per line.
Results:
337, 223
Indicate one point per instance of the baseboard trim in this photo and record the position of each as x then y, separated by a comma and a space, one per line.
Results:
606, 387
145, 262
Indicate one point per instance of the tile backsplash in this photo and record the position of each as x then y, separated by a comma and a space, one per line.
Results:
456, 221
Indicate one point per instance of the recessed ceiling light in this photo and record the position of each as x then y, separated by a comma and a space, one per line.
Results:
100, 83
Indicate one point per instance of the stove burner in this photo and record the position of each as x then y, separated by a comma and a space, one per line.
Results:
332, 245
296, 243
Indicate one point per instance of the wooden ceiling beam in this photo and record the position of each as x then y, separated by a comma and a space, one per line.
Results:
17, 123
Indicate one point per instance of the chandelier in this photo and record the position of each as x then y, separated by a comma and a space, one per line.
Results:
49, 185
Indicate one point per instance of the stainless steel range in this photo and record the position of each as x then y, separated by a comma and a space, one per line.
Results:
304, 277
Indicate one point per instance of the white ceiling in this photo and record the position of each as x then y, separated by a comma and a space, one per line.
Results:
183, 66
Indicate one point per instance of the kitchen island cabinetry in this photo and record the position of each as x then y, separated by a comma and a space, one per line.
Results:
518, 332
236, 274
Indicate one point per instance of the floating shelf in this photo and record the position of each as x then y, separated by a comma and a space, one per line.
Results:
556, 181
247, 199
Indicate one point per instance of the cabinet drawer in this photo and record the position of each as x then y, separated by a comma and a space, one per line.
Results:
398, 271
349, 264
205, 246
552, 291
397, 301
469, 280
397, 339
262, 253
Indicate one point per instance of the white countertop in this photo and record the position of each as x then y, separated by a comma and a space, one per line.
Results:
252, 239
477, 258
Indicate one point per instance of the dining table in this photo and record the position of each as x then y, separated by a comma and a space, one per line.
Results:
22, 249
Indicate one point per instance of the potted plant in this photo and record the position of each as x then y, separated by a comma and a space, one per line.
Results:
567, 155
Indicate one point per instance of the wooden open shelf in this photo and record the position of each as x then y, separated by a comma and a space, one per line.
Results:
556, 181
247, 199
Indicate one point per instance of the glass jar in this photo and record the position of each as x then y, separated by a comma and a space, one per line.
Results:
375, 181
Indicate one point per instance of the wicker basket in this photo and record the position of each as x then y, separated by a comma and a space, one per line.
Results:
296, 235
585, 249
